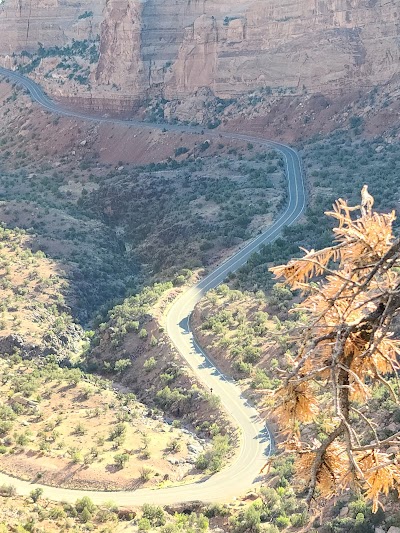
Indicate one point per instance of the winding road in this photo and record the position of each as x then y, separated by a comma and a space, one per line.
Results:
255, 442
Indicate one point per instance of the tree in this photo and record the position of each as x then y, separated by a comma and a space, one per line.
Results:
80, 429
121, 365
144, 524
85, 503
35, 494
143, 333
121, 459
150, 364
347, 348
154, 513
86, 515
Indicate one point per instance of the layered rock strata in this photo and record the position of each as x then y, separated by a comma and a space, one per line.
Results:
171, 48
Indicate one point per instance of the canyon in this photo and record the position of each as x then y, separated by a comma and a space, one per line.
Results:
114, 218
171, 48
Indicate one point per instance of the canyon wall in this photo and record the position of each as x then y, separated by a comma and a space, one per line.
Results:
25, 23
171, 48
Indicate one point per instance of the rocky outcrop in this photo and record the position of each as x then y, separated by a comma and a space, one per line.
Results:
120, 47
172, 48
196, 65
237, 46
11, 342
26, 23
60, 345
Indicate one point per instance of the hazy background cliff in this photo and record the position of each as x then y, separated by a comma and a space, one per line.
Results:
171, 48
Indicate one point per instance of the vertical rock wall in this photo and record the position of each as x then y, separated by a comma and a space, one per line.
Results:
240, 45
25, 23
173, 47
120, 47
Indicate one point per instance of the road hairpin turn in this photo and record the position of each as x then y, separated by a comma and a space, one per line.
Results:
255, 443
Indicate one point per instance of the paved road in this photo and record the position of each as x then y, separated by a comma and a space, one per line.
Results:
255, 439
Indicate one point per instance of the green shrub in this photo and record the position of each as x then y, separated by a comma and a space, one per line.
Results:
118, 431
143, 333
85, 503
85, 515
282, 521
150, 364
153, 341
248, 521
121, 459
154, 514
35, 494
56, 513
299, 519
213, 460
181, 150
144, 524
357, 506
121, 364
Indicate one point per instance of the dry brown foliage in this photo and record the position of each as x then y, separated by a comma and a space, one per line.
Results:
347, 349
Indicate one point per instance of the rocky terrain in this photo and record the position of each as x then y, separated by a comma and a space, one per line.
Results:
116, 208
171, 49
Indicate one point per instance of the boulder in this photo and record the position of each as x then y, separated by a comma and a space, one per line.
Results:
188, 507
195, 449
125, 513
10, 342
252, 496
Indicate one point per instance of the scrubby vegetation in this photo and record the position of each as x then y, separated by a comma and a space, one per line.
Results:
336, 166
74, 60
32, 289
249, 333
35, 514
131, 346
113, 230
110, 434
184, 214
274, 510
93, 259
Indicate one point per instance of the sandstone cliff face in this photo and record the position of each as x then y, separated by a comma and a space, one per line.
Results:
120, 47
240, 45
171, 48
196, 65
25, 23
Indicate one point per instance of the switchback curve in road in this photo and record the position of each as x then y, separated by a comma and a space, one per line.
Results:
255, 442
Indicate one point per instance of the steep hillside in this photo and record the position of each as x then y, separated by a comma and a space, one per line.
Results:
131, 346
203, 202
73, 430
34, 317
120, 206
337, 165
